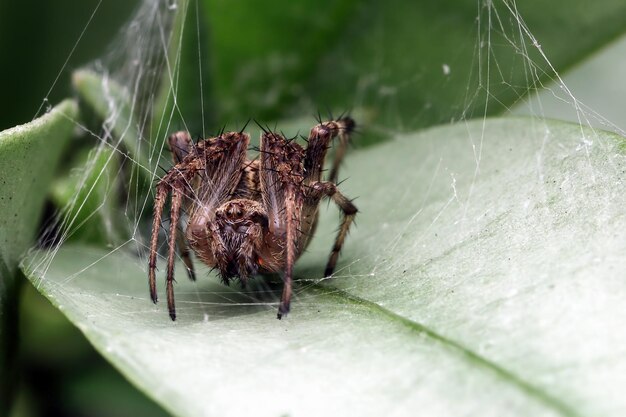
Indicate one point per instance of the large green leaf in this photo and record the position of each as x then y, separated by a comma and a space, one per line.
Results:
485, 278
29, 155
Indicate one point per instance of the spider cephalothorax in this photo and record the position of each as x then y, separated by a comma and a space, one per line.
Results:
248, 216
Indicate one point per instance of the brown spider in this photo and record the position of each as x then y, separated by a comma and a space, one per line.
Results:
248, 216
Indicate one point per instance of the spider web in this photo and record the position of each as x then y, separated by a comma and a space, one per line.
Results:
130, 152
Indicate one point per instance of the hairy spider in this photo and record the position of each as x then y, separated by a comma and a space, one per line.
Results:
248, 216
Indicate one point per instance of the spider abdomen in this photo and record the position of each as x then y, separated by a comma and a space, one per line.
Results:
232, 240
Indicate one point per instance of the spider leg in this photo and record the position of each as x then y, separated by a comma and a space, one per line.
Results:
159, 201
177, 198
349, 212
293, 201
219, 161
181, 145
168, 183
281, 176
319, 141
345, 131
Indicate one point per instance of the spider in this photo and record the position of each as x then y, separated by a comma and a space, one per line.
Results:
248, 217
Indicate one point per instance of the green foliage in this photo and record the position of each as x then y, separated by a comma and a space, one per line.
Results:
28, 157
387, 57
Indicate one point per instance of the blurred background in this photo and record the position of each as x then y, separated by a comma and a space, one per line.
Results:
37, 37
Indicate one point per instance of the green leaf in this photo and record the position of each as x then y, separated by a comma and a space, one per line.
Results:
409, 64
89, 195
485, 277
29, 155
111, 102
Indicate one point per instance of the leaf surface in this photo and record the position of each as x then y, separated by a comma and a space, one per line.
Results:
485, 277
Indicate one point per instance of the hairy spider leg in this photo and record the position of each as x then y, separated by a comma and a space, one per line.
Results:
181, 145
219, 160
319, 141
349, 211
159, 202
281, 174
177, 198
345, 130
176, 180
293, 201
163, 188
